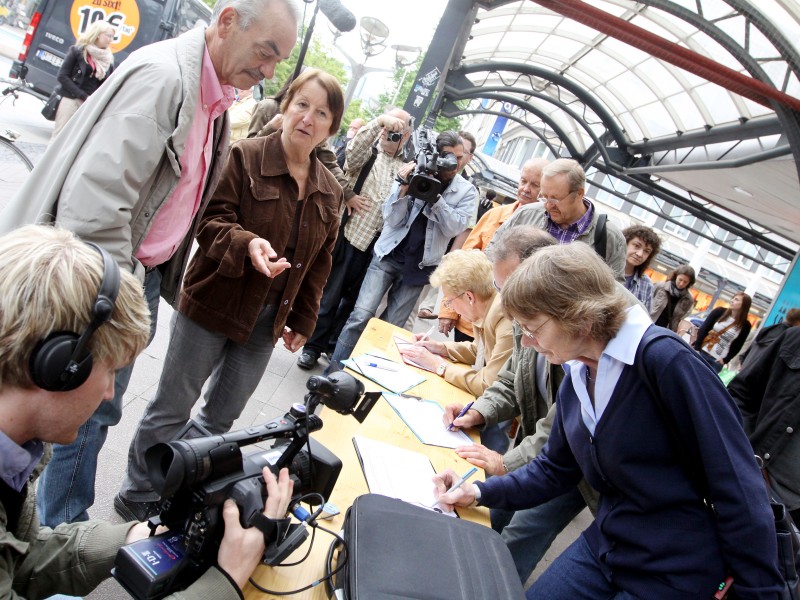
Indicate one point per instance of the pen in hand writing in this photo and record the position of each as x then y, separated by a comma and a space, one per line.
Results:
426, 335
459, 483
461, 414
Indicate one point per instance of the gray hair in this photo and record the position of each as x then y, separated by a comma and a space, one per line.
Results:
571, 284
571, 168
249, 10
519, 242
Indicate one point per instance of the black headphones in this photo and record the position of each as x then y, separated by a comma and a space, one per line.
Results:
61, 362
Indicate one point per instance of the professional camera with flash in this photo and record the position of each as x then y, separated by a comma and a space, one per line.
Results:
424, 183
197, 472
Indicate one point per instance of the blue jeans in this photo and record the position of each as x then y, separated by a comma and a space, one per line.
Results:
530, 532
711, 361
194, 356
575, 575
66, 487
384, 274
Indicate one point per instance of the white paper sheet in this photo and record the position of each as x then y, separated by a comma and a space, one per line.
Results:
394, 376
424, 418
397, 472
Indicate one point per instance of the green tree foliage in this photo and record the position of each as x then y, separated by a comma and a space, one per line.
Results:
210, 3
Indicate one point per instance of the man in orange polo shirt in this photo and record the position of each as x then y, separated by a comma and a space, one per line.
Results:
527, 191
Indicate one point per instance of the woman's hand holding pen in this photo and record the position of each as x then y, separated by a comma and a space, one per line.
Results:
480, 456
471, 418
263, 257
464, 495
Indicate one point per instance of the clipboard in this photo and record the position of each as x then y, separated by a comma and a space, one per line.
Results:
385, 372
424, 419
397, 473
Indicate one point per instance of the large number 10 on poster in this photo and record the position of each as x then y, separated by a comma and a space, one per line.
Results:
123, 15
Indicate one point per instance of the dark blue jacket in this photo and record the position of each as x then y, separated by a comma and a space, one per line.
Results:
653, 535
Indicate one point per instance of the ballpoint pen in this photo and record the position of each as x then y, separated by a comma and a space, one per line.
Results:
385, 363
463, 480
458, 484
426, 335
461, 414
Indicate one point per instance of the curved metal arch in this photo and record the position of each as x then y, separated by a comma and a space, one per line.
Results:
475, 92
460, 111
580, 93
527, 106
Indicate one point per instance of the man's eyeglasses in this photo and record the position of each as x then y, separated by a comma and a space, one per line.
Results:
545, 199
527, 332
448, 302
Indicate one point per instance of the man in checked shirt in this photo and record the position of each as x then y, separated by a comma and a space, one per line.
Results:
382, 138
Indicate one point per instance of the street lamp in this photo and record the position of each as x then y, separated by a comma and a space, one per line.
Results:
404, 57
373, 33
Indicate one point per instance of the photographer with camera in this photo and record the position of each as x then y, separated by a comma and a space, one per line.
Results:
69, 318
427, 207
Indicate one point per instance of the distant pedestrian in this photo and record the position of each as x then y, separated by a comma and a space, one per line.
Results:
85, 67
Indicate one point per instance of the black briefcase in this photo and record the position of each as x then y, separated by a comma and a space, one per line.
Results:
398, 550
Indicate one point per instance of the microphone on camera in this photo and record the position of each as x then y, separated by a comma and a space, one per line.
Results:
339, 16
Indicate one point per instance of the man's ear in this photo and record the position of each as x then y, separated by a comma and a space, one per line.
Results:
227, 21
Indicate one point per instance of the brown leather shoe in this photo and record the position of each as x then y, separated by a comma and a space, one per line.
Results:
424, 313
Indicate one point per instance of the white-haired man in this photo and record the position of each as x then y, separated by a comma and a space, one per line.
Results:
132, 173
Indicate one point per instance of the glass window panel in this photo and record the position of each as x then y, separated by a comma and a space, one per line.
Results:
630, 126
718, 102
601, 63
656, 119
656, 71
648, 217
629, 86
645, 22
634, 56
704, 44
689, 113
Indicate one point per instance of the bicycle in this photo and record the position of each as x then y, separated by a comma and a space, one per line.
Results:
15, 86
15, 166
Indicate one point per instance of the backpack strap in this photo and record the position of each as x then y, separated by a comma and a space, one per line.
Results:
600, 240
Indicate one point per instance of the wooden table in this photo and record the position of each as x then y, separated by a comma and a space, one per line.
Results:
336, 434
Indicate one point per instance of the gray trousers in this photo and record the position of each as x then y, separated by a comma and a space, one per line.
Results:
194, 356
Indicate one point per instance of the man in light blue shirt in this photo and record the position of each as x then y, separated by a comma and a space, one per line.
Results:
414, 238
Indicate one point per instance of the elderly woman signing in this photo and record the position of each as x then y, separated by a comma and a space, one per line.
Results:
653, 536
466, 279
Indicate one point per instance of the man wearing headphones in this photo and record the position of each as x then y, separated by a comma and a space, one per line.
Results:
133, 174
68, 320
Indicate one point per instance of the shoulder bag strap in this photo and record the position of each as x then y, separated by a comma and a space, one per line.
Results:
600, 240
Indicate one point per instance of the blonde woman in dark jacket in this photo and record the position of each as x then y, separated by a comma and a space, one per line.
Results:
85, 67
671, 299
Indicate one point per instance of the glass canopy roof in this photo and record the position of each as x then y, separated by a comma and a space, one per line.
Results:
586, 90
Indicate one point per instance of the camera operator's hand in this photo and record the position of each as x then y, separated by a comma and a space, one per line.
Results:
241, 549
406, 170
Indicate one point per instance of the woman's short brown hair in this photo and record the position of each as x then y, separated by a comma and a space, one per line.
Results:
571, 284
333, 91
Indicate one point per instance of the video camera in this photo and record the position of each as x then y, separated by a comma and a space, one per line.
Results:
424, 183
195, 473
